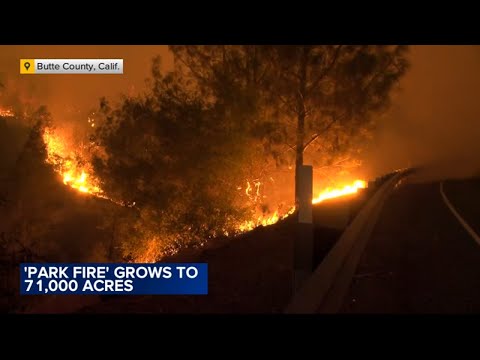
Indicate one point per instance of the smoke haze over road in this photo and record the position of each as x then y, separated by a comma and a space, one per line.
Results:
436, 116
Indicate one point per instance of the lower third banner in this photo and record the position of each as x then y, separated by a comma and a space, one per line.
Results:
114, 279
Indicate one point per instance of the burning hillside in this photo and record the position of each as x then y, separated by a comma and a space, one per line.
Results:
70, 164
70, 155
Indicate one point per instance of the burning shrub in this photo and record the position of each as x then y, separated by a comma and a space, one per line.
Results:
177, 158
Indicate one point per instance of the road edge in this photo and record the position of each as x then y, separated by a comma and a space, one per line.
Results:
334, 274
462, 222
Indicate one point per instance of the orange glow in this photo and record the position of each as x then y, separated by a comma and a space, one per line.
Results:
4, 112
330, 193
81, 178
263, 221
78, 174
59, 154
151, 252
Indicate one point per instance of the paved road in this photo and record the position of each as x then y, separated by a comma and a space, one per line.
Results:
420, 259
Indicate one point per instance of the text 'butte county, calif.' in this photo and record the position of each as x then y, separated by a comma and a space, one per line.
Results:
71, 66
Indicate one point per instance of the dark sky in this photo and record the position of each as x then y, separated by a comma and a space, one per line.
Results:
435, 117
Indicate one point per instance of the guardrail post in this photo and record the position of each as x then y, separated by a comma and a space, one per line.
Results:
303, 248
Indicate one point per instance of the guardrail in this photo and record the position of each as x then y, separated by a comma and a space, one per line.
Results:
325, 289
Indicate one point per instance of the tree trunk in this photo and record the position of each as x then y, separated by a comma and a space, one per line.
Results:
301, 115
299, 153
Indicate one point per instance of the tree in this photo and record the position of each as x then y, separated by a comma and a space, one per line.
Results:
233, 79
305, 95
176, 158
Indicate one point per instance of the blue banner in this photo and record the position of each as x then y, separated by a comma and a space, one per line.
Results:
114, 279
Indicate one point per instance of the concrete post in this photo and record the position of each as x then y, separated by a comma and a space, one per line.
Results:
303, 248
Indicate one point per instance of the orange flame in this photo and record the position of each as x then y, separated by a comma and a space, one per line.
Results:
330, 193
60, 153
4, 112
73, 175
263, 221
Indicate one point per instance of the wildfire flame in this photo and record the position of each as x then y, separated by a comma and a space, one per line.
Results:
263, 221
330, 193
4, 112
60, 155
80, 183
81, 178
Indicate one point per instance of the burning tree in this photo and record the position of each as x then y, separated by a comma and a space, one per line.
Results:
193, 153
176, 158
311, 97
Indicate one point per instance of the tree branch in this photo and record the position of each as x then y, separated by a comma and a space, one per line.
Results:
390, 61
338, 164
262, 76
328, 126
289, 106
327, 69
315, 137
190, 67
291, 147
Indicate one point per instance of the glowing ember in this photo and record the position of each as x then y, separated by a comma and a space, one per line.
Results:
151, 252
263, 221
4, 112
330, 193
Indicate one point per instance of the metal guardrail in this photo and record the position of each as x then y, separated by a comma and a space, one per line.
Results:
325, 289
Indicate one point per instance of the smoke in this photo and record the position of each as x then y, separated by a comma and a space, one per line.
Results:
70, 97
35, 208
434, 119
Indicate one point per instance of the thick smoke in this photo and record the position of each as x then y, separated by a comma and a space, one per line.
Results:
69, 97
435, 118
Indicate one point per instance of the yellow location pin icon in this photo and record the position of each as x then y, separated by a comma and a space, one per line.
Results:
27, 66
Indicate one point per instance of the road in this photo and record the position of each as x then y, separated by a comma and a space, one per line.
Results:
420, 259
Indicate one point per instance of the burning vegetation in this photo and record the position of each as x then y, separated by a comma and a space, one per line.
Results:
6, 112
189, 159
68, 161
77, 173
333, 192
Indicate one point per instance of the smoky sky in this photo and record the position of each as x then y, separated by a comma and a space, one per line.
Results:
66, 95
434, 117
